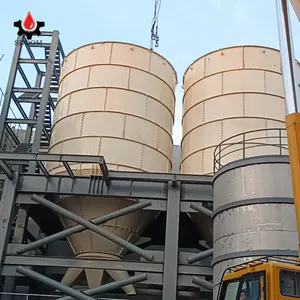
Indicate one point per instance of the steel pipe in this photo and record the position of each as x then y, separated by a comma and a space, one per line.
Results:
92, 227
79, 228
203, 283
54, 284
194, 258
111, 286
202, 209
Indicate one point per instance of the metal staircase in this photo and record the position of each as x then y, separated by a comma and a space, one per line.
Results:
37, 123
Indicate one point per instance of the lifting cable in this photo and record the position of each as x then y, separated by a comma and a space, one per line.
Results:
154, 26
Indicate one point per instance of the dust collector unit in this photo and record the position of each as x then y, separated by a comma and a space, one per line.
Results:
227, 92
116, 100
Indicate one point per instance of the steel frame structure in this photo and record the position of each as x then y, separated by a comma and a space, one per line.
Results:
178, 273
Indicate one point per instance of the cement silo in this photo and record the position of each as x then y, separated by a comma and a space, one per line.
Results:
116, 100
254, 213
227, 92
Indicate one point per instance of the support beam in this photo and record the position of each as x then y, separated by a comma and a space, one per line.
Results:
204, 254
171, 245
6, 214
63, 262
79, 228
54, 284
203, 283
111, 286
93, 227
202, 210
9, 88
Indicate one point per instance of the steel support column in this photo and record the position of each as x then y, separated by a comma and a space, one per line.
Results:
44, 99
9, 88
6, 213
171, 244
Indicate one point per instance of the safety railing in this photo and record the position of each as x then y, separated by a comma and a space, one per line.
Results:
24, 296
271, 141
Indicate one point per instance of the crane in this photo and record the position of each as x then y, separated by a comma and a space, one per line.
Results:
276, 278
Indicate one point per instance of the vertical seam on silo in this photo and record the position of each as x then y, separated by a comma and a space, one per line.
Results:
105, 99
222, 83
222, 131
244, 105
99, 148
141, 158
146, 106
69, 103
243, 57
158, 137
204, 66
110, 53
129, 75
88, 79
75, 63
161, 92
82, 121
124, 124
265, 82
202, 164
203, 115
150, 60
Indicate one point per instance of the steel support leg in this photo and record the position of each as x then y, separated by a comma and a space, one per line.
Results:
18, 238
171, 244
111, 286
54, 284
9, 88
44, 99
79, 228
93, 227
6, 214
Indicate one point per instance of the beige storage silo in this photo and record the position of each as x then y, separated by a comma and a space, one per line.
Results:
116, 100
227, 92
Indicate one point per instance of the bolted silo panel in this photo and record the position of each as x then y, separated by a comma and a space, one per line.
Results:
228, 92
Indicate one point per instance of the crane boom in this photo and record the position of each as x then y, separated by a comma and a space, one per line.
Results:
291, 90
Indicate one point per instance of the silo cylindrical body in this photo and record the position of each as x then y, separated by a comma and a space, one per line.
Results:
254, 214
115, 100
227, 92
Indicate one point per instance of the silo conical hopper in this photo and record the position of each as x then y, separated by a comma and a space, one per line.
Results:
227, 92
116, 100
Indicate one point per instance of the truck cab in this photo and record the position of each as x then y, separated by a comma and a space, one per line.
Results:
272, 280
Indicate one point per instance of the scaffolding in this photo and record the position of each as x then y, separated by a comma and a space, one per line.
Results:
28, 192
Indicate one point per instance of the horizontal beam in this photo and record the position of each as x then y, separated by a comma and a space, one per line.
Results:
95, 186
50, 157
33, 61
137, 266
21, 121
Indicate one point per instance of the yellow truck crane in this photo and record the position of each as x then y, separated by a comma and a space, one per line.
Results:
274, 278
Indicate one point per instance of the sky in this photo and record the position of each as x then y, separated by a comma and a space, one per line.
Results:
187, 28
